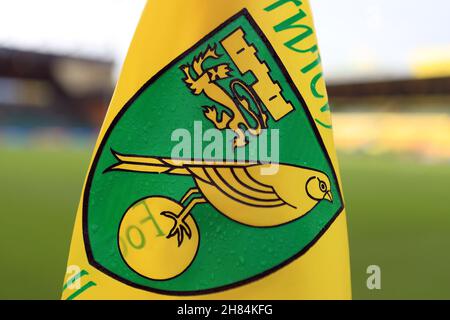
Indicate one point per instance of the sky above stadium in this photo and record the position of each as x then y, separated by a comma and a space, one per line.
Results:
376, 38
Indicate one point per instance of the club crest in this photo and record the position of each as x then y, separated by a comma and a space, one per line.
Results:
202, 222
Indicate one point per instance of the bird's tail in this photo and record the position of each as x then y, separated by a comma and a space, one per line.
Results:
149, 164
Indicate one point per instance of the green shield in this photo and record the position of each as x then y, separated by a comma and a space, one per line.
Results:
229, 253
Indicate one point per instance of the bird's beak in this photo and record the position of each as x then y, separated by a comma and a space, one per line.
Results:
328, 196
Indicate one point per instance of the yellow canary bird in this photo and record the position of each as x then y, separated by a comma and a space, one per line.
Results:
251, 193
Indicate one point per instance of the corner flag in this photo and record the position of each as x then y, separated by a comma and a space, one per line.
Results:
215, 174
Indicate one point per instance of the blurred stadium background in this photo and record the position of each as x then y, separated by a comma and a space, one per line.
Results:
389, 87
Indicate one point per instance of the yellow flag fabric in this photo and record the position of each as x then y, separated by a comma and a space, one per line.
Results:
251, 206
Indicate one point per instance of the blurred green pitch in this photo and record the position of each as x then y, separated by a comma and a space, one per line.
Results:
398, 213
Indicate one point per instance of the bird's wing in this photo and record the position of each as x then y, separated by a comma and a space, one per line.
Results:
231, 178
238, 184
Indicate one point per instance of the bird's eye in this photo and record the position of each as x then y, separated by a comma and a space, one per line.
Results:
322, 186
